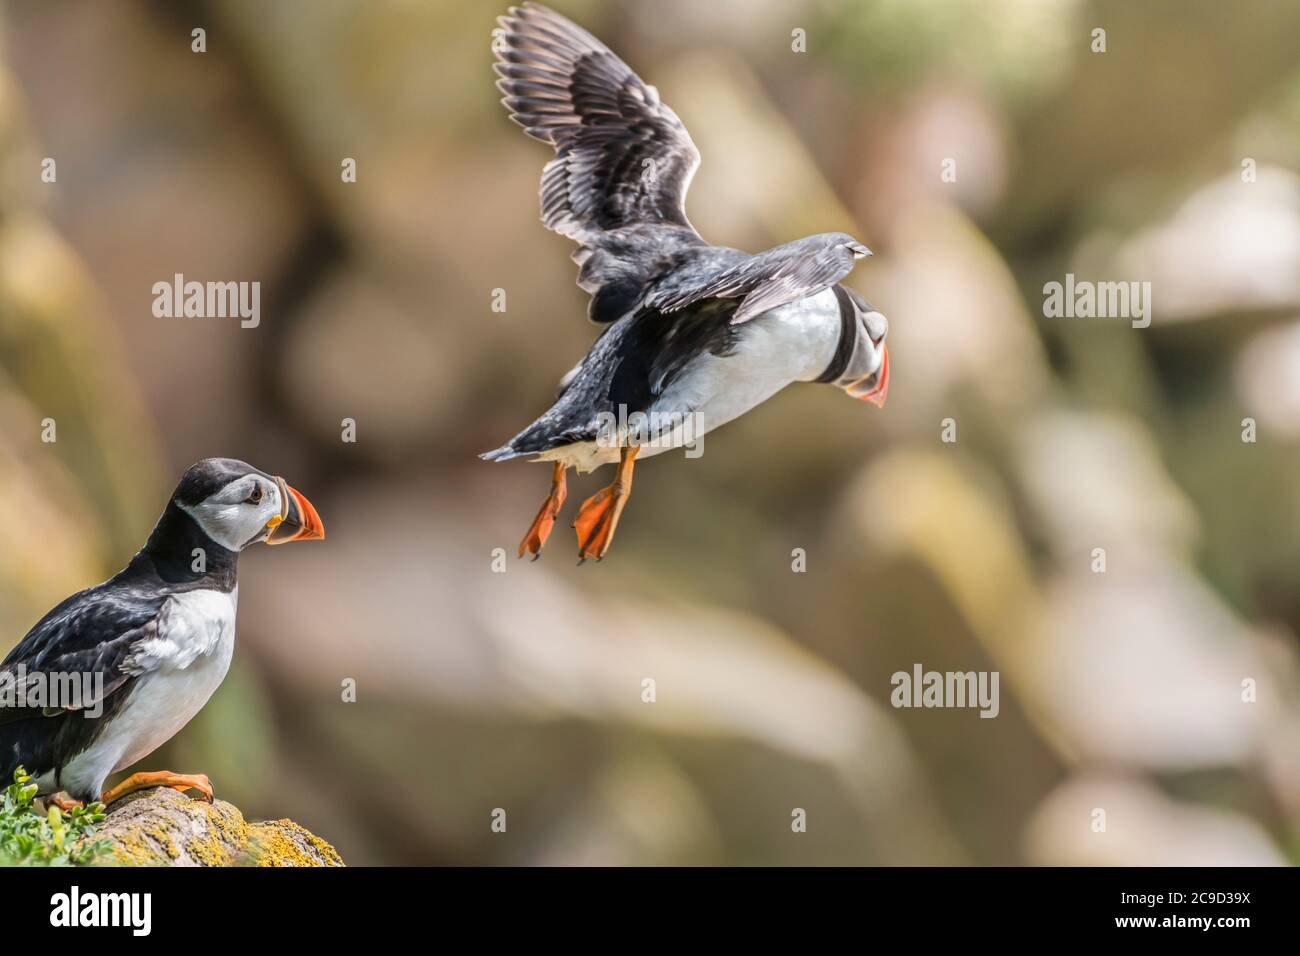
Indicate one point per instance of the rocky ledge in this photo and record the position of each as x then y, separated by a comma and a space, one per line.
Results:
163, 827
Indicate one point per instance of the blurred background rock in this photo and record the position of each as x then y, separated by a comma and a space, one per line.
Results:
477, 690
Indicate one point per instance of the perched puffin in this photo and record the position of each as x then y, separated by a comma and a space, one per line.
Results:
160, 632
694, 334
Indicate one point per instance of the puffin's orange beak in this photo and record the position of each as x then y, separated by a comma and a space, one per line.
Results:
297, 521
875, 387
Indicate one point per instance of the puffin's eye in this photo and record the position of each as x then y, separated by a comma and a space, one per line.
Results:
255, 497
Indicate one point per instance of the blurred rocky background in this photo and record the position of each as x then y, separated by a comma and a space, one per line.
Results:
1164, 691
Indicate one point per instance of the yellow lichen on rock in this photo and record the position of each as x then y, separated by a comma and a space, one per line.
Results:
285, 843
161, 827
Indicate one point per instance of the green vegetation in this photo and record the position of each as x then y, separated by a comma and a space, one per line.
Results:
28, 838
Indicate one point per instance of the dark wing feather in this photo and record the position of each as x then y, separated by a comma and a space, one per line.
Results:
632, 363
622, 157
91, 632
623, 160
778, 276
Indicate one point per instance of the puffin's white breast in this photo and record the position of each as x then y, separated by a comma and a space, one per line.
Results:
180, 670
792, 343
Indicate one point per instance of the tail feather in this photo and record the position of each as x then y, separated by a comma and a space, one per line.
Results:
504, 453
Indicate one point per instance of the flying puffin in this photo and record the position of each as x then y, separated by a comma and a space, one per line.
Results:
694, 334
160, 632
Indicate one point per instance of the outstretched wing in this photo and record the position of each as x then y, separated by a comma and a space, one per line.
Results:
622, 156
623, 160
778, 276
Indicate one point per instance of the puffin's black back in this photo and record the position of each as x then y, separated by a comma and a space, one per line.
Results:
90, 632
629, 366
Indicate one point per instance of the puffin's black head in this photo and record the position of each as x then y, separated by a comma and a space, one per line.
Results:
850, 245
866, 372
237, 505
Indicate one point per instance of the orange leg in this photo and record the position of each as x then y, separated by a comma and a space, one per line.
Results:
598, 516
160, 778
545, 520
62, 801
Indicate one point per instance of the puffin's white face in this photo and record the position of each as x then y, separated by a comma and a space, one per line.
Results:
247, 506
867, 374
244, 512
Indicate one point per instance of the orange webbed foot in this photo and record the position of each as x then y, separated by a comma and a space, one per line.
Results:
64, 802
595, 524
160, 778
598, 517
540, 529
